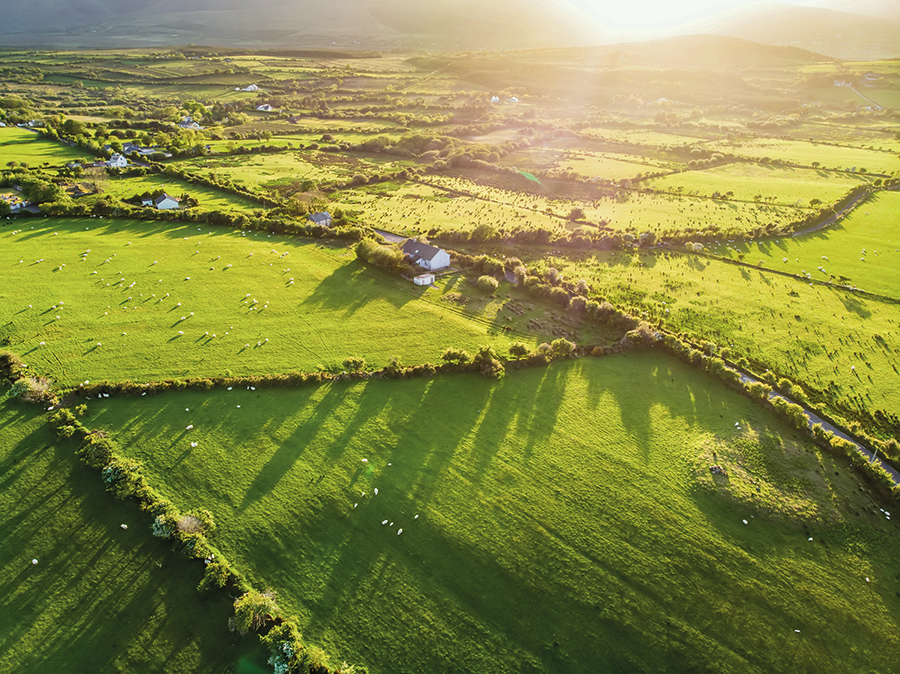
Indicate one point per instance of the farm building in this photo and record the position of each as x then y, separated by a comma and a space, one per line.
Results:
165, 202
251, 87
427, 257
424, 279
117, 161
265, 107
323, 218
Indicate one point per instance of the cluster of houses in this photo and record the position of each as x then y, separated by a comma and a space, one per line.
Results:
496, 99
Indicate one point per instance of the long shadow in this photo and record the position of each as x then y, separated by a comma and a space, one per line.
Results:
351, 287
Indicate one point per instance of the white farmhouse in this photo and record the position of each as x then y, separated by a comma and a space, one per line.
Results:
427, 257
251, 87
323, 218
117, 161
265, 107
165, 202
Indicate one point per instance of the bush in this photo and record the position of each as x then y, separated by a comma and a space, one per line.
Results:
487, 284
354, 364
11, 366
34, 390
253, 609
459, 356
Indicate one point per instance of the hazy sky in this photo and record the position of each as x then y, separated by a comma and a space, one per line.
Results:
666, 14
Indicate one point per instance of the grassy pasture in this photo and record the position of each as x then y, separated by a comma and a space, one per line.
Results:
562, 520
336, 307
874, 227
788, 186
101, 598
610, 167
28, 147
646, 137
417, 208
636, 210
210, 199
848, 133
805, 153
813, 334
269, 170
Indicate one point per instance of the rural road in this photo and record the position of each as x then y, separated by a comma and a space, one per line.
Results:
832, 219
814, 419
390, 237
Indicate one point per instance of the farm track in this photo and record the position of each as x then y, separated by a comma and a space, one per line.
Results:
813, 419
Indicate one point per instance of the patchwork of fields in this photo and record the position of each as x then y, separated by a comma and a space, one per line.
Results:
612, 514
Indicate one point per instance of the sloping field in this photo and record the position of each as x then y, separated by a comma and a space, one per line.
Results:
101, 598
562, 520
785, 186
150, 301
28, 147
210, 199
805, 153
829, 339
862, 248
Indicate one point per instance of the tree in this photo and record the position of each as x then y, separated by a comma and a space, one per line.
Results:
577, 214
453, 355
355, 364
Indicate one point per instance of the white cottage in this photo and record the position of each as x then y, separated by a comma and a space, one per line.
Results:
427, 257
117, 161
265, 107
323, 218
165, 202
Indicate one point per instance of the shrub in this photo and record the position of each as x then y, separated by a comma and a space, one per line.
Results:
561, 348
453, 355
11, 366
518, 350
34, 390
253, 609
487, 284
354, 364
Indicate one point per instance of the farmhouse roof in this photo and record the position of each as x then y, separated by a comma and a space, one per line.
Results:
419, 251
318, 218
162, 197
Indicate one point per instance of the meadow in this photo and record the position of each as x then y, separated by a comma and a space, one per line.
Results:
562, 520
746, 181
631, 211
804, 153
101, 597
826, 339
609, 166
270, 170
862, 248
29, 147
210, 198
87, 298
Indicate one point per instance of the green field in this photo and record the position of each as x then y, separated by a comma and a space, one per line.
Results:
805, 153
28, 147
156, 274
210, 199
862, 248
269, 170
609, 167
784, 186
562, 520
101, 598
813, 334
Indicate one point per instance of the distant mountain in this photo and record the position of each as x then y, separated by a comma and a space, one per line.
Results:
467, 24
826, 31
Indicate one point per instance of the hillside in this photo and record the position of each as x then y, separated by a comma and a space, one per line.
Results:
371, 23
837, 34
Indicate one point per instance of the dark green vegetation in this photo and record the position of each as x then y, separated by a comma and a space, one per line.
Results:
101, 597
562, 520
723, 191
